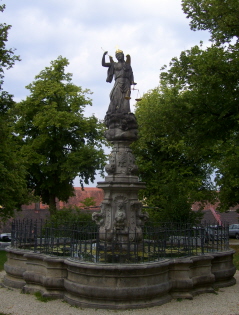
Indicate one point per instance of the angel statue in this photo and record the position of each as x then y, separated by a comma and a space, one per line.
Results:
124, 78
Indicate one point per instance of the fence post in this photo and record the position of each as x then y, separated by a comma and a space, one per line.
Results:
13, 233
35, 236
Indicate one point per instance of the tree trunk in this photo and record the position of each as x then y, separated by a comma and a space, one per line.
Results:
52, 204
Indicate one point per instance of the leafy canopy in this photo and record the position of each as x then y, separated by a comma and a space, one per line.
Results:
7, 55
59, 143
173, 180
207, 80
189, 125
220, 17
13, 188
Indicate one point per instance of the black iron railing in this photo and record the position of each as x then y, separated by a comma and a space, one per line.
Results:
82, 241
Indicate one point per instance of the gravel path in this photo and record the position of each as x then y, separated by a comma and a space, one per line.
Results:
225, 302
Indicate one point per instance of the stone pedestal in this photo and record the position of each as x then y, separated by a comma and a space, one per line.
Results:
121, 216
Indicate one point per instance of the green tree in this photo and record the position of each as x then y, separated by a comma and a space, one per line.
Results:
59, 142
207, 80
220, 17
13, 188
173, 180
7, 55
192, 118
88, 202
68, 216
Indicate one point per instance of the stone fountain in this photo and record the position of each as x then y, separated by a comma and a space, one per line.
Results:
118, 285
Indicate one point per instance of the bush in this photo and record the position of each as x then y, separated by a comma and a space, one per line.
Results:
70, 216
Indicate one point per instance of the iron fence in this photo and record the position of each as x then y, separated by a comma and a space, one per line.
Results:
83, 241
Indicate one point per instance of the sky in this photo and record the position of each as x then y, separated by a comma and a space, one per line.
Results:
151, 31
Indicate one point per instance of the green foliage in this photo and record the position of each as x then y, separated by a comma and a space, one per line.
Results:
70, 215
174, 180
13, 187
42, 298
69, 220
227, 177
59, 142
3, 259
235, 256
205, 85
220, 17
189, 125
88, 202
7, 56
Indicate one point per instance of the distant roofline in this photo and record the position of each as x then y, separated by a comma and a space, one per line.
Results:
87, 188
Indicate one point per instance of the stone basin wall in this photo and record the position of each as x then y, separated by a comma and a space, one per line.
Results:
118, 286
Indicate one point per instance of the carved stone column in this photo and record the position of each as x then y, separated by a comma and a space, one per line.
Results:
121, 218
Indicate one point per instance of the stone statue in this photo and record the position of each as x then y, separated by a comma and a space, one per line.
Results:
119, 120
124, 78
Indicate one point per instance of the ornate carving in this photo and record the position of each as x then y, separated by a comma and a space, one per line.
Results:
124, 121
132, 170
118, 134
120, 214
122, 159
112, 157
98, 217
106, 208
141, 218
102, 218
121, 126
111, 167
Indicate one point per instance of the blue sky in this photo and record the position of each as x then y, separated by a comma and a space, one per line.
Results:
151, 31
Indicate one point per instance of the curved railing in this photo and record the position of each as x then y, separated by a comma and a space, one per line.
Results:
82, 241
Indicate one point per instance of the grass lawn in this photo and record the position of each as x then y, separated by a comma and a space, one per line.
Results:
236, 255
3, 258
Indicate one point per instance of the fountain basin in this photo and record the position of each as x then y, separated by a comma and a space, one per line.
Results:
118, 286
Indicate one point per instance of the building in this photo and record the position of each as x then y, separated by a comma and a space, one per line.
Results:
36, 211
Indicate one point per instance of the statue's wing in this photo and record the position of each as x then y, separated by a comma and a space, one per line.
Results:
111, 59
128, 59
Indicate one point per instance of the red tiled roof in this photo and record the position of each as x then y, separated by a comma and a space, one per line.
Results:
209, 210
80, 195
210, 213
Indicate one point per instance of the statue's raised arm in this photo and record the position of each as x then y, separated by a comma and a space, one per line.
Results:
105, 64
